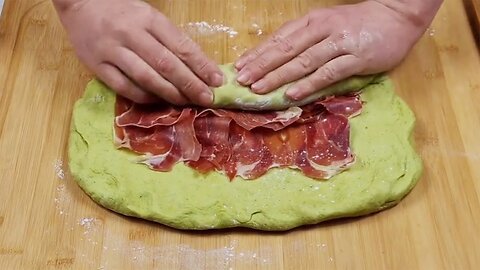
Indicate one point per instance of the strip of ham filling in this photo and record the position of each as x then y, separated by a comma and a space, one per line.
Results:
313, 138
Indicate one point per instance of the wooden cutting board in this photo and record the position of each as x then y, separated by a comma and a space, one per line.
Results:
47, 222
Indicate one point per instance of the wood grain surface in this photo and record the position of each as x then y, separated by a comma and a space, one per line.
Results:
47, 222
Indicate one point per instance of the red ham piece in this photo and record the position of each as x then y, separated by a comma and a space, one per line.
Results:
164, 137
213, 134
273, 120
348, 106
313, 138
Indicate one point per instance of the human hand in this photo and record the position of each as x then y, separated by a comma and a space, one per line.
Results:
138, 52
329, 45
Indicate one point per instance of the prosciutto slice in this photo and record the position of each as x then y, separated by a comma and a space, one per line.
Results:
313, 138
164, 137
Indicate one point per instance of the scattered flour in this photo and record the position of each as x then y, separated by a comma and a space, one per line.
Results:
255, 28
58, 167
87, 223
139, 253
221, 258
61, 200
206, 29
91, 226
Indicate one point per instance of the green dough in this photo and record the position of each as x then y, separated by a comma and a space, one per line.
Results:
234, 96
386, 169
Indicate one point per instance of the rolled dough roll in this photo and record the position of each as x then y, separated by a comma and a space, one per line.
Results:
235, 96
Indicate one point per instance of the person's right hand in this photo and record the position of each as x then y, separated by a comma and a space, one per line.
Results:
139, 53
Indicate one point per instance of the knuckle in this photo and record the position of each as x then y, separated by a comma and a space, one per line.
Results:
205, 71
256, 52
353, 46
339, 37
263, 63
309, 84
203, 66
276, 38
276, 78
190, 87
306, 60
163, 64
120, 30
186, 48
347, 42
285, 45
329, 74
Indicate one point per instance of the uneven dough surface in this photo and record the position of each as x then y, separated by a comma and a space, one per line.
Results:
234, 96
386, 169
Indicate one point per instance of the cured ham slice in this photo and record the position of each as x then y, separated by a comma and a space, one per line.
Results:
250, 158
313, 138
327, 149
213, 134
347, 106
164, 138
273, 120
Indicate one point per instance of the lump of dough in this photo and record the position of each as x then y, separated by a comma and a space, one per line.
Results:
235, 96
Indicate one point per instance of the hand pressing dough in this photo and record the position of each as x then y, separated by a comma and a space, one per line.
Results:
234, 96
386, 169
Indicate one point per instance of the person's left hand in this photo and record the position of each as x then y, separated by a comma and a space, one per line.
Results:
329, 45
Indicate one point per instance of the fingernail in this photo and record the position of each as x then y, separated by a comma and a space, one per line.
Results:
293, 93
243, 78
217, 79
258, 86
206, 98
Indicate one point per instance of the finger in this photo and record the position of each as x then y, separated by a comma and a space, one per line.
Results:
318, 15
114, 78
302, 65
186, 50
284, 30
335, 70
144, 76
285, 50
170, 67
